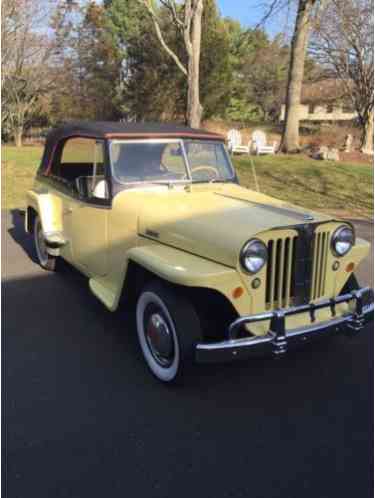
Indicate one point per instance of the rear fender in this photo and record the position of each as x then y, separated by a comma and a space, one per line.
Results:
49, 208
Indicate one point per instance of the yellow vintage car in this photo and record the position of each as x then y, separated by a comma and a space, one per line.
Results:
154, 216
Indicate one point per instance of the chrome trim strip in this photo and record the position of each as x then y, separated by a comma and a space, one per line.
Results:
234, 343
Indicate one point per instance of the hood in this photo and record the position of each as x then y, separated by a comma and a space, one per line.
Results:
216, 223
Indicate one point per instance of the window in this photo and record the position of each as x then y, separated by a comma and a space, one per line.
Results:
329, 108
82, 166
208, 161
82, 151
148, 161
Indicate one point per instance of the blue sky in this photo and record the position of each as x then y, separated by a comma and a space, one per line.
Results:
243, 10
250, 12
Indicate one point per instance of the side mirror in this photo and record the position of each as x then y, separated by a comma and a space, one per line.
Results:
87, 187
101, 190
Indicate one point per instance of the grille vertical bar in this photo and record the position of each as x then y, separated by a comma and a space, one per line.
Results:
314, 273
279, 284
321, 246
288, 288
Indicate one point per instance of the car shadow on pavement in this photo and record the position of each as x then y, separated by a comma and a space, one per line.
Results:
16, 229
61, 318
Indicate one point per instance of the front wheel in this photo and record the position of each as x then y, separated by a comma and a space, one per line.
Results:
168, 330
45, 260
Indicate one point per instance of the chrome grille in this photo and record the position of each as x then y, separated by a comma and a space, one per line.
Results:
280, 277
283, 284
321, 247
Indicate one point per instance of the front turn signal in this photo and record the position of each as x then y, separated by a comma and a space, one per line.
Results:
237, 292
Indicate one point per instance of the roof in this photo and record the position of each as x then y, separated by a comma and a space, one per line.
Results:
108, 129
328, 90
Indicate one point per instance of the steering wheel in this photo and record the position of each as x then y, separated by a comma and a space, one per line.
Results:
206, 168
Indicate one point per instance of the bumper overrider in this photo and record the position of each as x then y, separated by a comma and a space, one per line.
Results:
278, 340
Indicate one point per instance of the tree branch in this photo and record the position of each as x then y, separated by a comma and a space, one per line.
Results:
171, 6
159, 34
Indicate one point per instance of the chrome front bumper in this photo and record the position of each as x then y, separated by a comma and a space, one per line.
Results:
278, 340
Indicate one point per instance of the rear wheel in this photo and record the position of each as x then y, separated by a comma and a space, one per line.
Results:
45, 260
168, 330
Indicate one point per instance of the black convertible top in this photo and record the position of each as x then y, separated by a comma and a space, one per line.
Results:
108, 130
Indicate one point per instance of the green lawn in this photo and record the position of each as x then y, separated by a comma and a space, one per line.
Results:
319, 185
18, 167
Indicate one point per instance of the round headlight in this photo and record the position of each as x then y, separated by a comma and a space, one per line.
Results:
253, 256
342, 240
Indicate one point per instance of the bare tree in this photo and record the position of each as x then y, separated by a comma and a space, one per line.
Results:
306, 13
26, 52
188, 20
344, 43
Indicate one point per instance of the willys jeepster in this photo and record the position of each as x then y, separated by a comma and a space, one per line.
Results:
154, 216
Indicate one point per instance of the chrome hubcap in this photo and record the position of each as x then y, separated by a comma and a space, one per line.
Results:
160, 339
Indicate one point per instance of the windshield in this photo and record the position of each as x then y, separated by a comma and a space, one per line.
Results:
208, 161
148, 161
169, 161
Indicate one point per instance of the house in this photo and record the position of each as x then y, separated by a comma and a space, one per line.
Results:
324, 100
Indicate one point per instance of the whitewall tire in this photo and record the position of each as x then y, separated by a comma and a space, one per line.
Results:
168, 329
45, 260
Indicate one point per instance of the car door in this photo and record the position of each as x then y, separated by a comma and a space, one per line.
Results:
85, 213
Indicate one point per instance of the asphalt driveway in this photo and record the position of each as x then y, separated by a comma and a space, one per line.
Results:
84, 418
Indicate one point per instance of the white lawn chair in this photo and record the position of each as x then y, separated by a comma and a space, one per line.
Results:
235, 143
259, 143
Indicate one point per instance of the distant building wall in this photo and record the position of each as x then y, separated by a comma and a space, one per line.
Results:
321, 113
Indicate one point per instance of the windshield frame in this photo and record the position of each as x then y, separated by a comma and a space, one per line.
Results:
189, 180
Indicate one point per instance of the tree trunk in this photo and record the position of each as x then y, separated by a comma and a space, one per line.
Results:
367, 139
17, 135
290, 138
194, 108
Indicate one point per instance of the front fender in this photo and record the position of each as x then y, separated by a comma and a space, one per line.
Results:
189, 270
177, 267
